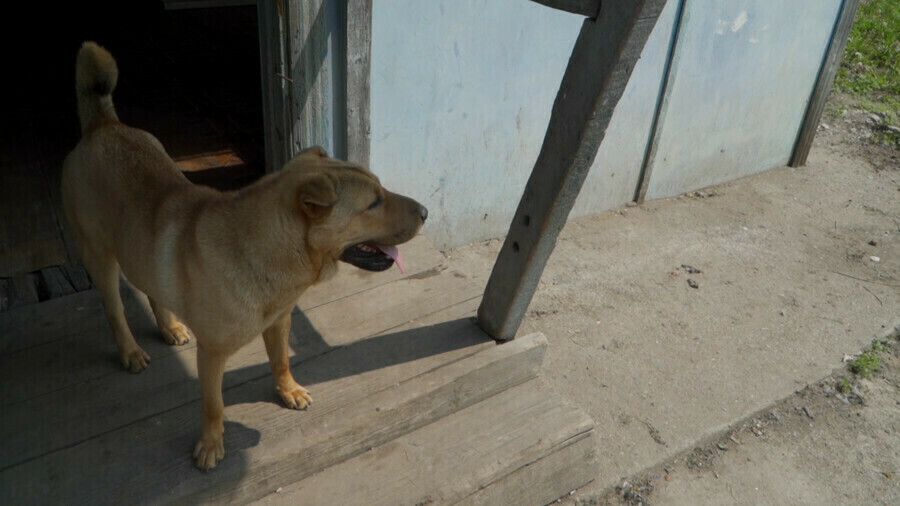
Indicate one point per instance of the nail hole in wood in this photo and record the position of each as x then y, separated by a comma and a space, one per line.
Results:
515, 246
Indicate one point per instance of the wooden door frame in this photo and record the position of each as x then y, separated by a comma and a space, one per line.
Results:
287, 31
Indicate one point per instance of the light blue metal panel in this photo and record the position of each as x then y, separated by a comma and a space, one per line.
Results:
461, 97
741, 79
614, 176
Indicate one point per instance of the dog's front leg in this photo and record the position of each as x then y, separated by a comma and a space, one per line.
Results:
211, 368
276, 337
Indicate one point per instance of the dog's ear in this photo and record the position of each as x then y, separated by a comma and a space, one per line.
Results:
317, 151
316, 195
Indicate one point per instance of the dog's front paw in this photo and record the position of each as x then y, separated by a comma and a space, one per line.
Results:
135, 360
177, 334
209, 450
295, 396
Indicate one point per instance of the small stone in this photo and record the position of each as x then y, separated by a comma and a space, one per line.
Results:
875, 259
892, 128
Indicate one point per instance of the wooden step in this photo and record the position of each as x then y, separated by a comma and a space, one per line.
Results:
523, 446
367, 394
61, 383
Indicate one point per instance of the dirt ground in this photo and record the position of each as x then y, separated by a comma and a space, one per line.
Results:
817, 447
714, 318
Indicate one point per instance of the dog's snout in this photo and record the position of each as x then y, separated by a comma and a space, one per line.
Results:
423, 212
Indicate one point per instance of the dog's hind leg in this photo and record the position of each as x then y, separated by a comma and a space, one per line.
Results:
104, 271
174, 332
276, 337
210, 368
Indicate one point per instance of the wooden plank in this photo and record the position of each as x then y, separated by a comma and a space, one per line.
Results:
824, 82
381, 309
543, 481
29, 237
453, 458
588, 8
55, 284
309, 72
205, 4
61, 319
219, 159
6, 294
422, 259
77, 324
347, 419
25, 290
82, 373
599, 68
274, 74
77, 276
465, 309
359, 62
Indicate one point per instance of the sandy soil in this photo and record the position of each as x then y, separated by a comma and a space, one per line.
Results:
701, 320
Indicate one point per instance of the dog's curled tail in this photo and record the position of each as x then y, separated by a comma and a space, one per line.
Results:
96, 74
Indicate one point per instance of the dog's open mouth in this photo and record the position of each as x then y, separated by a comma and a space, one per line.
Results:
373, 257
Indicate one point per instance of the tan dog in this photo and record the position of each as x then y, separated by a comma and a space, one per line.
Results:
229, 265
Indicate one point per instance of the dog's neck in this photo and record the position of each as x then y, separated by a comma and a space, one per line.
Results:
283, 267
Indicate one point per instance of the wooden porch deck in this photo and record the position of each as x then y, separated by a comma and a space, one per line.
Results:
384, 355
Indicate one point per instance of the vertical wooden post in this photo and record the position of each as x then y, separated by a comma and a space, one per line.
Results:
310, 73
359, 56
274, 70
824, 82
604, 56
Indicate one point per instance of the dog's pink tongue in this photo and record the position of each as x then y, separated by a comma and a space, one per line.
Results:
393, 252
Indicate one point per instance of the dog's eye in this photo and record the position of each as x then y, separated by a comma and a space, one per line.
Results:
376, 203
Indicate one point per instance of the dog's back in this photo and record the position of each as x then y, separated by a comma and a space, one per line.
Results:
118, 183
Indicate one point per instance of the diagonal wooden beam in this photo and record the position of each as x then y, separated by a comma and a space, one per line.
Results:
588, 8
605, 53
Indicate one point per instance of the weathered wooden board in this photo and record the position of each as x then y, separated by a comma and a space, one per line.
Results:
588, 8
81, 371
61, 319
380, 309
457, 456
359, 67
273, 70
29, 237
458, 311
605, 53
823, 84
77, 276
422, 259
542, 481
206, 161
24, 290
82, 345
309, 73
6, 295
55, 283
269, 446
